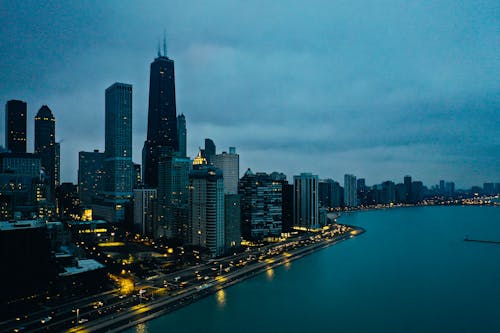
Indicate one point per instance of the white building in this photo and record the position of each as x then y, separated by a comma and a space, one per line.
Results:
229, 164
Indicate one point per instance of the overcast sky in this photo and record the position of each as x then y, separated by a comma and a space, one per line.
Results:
376, 88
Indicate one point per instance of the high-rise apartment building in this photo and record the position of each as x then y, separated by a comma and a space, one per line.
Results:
261, 205
15, 126
232, 221
229, 164
306, 203
173, 194
350, 191
206, 209
162, 119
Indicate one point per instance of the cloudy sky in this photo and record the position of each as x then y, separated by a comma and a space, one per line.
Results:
376, 88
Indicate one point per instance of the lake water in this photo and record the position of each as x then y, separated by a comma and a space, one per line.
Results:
410, 272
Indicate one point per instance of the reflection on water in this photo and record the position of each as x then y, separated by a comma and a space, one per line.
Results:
288, 264
270, 274
221, 297
141, 328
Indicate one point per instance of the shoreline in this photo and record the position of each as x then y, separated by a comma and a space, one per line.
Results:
150, 311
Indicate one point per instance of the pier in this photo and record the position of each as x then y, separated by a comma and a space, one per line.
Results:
467, 239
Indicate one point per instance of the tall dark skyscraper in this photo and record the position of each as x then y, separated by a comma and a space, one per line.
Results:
45, 145
162, 118
15, 126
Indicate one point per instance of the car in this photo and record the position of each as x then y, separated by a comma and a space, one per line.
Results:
46, 320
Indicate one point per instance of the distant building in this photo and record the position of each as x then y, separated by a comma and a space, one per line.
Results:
361, 191
350, 191
209, 152
206, 209
15, 126
229, 164
417, 192
182, 134
45, 145
261, 205
90, 175
401, 193
489, 188
143, 210
407, 186
232, 221
23, 187
137, 175
20, 163
68, 202
287, 207
450, 188
388, 194
306, 203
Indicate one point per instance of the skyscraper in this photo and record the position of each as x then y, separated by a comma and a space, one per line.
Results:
182, 134
118, 166
15, 126
206, 208
90, 175
162, 118
306, 203
45, 145
118, 141
350, 191
229, 164
173, 186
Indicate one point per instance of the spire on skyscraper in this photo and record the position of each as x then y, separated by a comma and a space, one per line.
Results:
164, 44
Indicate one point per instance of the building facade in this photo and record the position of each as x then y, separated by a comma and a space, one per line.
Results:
15, 126
206, 209
162, 119
350, 191
261, 205
229, 164
45, 145
182, 134
173, 192
306, 201
143, 210
90, 175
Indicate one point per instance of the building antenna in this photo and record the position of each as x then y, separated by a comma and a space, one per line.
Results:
159, 54
164, 44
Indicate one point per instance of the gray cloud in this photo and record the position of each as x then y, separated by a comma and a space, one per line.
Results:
380, 89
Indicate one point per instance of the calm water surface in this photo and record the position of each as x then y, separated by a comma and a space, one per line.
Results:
410, 272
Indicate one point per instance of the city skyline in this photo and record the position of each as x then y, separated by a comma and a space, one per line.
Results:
432, 117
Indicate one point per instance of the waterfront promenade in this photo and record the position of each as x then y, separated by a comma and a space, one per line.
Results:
257, 261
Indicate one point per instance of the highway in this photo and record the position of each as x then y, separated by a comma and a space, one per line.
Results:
115, 311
